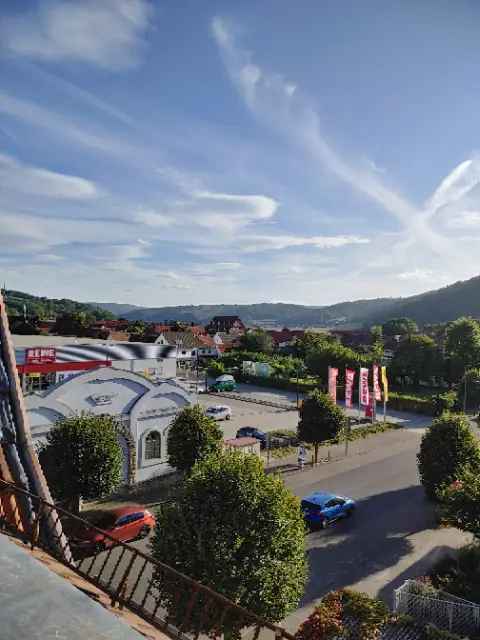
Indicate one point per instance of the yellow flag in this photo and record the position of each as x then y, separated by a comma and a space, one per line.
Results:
385, 384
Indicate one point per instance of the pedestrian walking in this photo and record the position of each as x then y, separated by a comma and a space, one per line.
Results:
302, 456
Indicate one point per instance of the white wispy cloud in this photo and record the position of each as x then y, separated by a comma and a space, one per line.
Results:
457, 184
270, 98
278, 103
23, 178
416, 274
256, 243
105, 33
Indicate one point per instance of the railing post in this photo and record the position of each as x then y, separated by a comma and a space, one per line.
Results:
36, 527
450, 616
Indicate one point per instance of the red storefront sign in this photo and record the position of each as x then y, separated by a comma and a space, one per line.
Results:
40, 355
54, 367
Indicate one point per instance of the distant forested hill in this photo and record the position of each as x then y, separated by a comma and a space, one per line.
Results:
46, 308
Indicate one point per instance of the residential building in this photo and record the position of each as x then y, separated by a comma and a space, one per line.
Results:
285, 337
143, 409
188, 346
226, 324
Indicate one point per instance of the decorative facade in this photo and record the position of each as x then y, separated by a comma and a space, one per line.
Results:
144, 411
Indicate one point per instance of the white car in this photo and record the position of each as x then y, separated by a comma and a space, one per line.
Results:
219, 412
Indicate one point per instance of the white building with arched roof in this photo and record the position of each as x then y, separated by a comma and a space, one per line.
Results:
144, 411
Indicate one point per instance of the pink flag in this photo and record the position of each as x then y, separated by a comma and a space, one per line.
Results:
376, 384
349, 378
332, 383
364, 390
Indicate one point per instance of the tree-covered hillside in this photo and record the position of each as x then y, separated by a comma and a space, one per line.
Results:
46, 308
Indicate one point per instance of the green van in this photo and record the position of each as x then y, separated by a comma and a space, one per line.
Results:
224, 383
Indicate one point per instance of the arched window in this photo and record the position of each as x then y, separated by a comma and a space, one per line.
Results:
153, 446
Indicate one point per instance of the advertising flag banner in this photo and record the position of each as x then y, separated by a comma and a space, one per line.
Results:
364, 390
385, 384
376, 384
349, 378
332, 383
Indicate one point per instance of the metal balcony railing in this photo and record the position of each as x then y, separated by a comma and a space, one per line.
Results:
135, 580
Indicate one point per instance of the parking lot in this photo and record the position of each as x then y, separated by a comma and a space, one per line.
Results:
250, 414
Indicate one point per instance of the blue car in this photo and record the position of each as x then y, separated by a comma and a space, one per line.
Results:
253, 432
320, 508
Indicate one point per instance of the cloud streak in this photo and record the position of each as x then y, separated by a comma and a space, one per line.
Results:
22, 178
104, 33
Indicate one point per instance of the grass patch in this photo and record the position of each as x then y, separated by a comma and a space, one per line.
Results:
355, 434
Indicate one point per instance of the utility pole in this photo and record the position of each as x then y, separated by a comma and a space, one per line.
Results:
465, 391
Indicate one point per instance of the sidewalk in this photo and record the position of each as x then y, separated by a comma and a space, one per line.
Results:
333, 453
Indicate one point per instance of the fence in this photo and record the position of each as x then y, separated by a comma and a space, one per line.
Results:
445, 611
158, 593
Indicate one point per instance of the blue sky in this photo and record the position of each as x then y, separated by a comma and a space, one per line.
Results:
205, 152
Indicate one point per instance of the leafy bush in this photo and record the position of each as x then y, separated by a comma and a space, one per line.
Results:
459, 574
340, 610
447, 446
446, 401
325, 621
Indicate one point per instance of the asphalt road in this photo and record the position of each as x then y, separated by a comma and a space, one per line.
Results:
392, 535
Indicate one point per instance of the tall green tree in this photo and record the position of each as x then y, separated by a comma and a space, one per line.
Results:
446, 448
257, 340
137, 330
462, 345
399, 327
73, 324
240, 532
417, 358
215, 368
470, 384
192, 436
82, 458
320, 419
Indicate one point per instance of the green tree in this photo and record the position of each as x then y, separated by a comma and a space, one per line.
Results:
192, 436
333, 354
257, 340
470, 382
320, 419
74, 324
238, 531
137, 330
82, 458
462, 345
417, 358
215, 369
400, 327
446, 447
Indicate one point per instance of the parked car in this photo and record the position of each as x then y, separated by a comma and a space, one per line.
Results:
219, 412
224, 383
321, 509
253, 432
122, 523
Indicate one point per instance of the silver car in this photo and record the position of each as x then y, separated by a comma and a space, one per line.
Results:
219, 412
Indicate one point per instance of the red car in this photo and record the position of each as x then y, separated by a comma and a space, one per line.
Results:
122, 523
